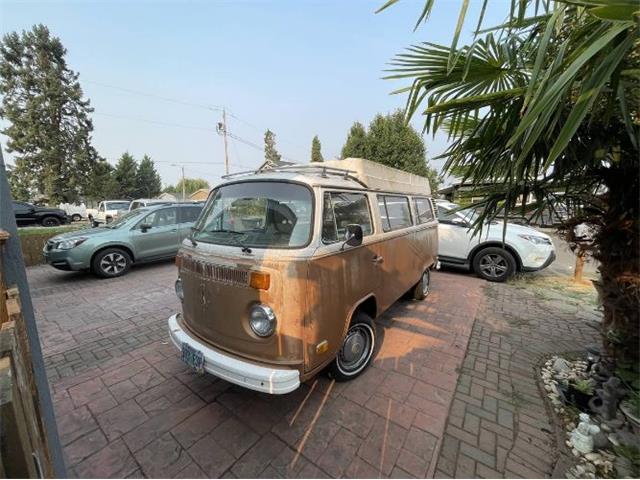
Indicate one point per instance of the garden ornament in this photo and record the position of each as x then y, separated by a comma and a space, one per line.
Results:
582, 437
605, 401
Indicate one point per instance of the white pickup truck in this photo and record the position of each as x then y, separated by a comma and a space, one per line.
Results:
109, 210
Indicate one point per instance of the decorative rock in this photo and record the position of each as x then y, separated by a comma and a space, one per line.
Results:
600, 441
560, 365
593, 457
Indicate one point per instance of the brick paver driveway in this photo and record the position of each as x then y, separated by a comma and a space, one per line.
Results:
127, 407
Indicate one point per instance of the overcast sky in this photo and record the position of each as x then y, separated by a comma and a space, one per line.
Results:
300, 68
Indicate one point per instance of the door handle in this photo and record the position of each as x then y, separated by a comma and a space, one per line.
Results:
377, 259
174, 230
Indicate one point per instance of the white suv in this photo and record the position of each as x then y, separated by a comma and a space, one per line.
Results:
524, 249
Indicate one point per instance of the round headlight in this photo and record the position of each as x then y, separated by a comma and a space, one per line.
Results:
179, 290
262, 320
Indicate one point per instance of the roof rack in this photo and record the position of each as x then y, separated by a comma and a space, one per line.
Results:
323, 170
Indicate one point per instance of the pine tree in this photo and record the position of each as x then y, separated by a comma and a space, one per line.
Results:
125, 176
271, 155
316, 154
49, 126
148, 183
355, 146
102, 184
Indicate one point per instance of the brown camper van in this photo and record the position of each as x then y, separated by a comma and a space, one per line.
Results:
286, 270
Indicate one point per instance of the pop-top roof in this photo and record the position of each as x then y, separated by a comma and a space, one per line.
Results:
380, 177
354, 171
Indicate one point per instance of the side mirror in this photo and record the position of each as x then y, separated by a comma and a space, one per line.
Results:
144, 227
354, 235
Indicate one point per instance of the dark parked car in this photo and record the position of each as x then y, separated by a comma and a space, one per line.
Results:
28, 214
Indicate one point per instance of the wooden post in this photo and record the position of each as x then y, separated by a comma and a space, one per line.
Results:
28, 408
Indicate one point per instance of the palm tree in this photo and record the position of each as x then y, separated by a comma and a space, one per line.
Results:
547, 103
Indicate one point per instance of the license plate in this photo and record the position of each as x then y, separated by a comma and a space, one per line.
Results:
192, 357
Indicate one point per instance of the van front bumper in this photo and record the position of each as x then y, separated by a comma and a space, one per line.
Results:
234, 370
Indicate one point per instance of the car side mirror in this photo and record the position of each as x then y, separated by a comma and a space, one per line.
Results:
144, 227
354, 235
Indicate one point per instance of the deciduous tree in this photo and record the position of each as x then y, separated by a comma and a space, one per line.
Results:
355, 146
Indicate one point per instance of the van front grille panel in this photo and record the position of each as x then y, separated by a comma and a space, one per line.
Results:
216, 273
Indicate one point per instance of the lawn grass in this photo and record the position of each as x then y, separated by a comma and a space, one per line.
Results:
556, 287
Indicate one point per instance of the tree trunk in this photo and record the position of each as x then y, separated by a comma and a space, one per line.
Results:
618, 251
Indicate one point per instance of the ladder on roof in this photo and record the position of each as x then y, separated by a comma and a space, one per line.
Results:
322, 170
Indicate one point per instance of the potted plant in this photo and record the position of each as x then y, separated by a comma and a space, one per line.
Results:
580, 392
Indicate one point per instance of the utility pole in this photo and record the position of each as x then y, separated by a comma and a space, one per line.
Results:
224, 133
184, 196
221, 128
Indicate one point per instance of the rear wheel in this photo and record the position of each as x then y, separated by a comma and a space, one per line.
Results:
494, 264
422, 288
110, 263
50, 222
357, 349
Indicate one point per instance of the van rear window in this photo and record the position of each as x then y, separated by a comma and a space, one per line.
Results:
394, 212
423, 210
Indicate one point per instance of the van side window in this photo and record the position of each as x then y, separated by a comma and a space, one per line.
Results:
423, 210
342, 209
394, 211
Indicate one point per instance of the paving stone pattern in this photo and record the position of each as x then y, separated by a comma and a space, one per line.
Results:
127, 407
498, 425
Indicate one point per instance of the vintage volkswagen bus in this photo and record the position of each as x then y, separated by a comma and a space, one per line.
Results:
286, 270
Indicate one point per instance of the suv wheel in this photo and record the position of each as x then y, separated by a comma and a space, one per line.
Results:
50, 222
357, 349
494, 264
111, 263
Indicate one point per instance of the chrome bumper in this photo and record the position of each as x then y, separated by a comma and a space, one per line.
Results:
240, 372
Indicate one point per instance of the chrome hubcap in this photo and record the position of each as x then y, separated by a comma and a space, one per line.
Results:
493, 265
355, 349
113, 263
425, 282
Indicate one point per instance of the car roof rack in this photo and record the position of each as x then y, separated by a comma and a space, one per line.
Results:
324, 171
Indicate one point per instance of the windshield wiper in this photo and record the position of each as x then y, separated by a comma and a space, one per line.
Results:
244, 248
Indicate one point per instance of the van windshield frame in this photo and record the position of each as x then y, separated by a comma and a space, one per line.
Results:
276, 206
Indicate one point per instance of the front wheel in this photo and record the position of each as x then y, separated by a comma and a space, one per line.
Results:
76, 217
494, 264
110, 263
50, 222
357, 349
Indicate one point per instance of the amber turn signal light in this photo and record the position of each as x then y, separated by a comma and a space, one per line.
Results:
260, 280
178, 261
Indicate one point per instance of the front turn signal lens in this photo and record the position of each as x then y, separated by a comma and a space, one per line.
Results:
260, 280
178, 261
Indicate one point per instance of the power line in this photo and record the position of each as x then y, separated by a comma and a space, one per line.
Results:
159, 97
155, 122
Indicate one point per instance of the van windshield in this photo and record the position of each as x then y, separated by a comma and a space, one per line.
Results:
257, 214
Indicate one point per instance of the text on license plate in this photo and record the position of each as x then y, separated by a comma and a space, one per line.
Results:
192, 357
